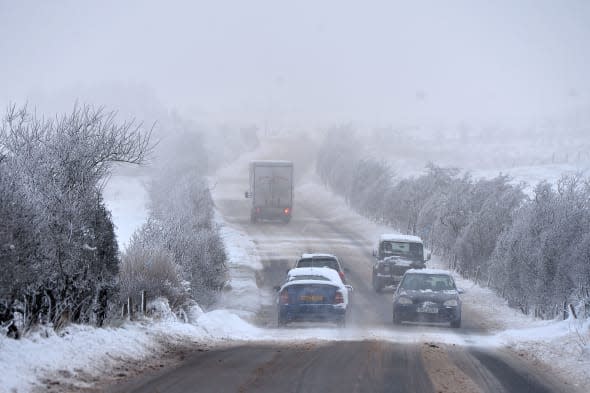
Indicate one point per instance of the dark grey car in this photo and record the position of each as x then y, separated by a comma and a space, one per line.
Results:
427, 295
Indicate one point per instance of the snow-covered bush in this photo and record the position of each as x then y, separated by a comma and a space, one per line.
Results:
147, 266
58, 253
180, 230
160, 309
541, 261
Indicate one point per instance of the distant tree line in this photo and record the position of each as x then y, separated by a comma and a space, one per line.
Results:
534, 250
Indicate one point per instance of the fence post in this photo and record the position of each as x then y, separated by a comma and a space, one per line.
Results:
587, 304
143, 303
26, 322
129, 308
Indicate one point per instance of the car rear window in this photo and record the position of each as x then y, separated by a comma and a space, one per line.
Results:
310, 277
318, 262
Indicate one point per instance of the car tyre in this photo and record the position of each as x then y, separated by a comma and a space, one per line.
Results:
341, 322
281, 322
456, 324
396, 319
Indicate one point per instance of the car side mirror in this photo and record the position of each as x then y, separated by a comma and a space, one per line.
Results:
460, 291
277, 288
246, 195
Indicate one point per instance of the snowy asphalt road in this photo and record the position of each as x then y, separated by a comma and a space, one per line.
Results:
361, 366
367, 366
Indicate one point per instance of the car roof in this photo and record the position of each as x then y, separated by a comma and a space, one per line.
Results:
317, 255
429, 271
394, 237
326, 272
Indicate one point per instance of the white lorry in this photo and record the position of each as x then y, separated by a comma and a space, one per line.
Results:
271, 190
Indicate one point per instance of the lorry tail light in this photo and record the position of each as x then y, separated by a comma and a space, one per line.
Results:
284, 297
287, 211
338, 298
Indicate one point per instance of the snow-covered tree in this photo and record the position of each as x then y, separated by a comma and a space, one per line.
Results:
178, 252
59, 244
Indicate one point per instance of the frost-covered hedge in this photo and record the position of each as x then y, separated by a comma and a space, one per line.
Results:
178, 253
534, 250
58, 252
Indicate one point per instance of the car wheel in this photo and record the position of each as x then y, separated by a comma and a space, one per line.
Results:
456, 324
396, 319
341, 322
281, 322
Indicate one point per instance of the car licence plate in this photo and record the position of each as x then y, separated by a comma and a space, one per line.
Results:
311, 298
428, 309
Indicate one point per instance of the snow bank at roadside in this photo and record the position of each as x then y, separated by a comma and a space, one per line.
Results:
80, 355
241, 295
84, 350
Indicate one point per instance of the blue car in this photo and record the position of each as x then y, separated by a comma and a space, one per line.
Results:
313, 294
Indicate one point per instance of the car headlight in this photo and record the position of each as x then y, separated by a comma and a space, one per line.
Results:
404, 300
451, 303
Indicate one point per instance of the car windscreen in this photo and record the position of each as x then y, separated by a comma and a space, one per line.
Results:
318, 262
424, 282
404, 249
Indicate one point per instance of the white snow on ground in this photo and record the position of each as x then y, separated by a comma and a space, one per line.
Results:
242, 295
85, 349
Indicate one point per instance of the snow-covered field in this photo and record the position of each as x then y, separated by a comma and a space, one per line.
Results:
533, 175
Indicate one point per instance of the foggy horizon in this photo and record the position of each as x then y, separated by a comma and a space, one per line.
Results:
301, 65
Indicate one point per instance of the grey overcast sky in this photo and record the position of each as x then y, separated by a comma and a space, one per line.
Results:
309, 62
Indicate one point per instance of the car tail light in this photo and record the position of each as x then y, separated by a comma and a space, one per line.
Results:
341, 276
284, 297
338, 298
287, 211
